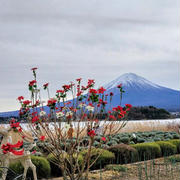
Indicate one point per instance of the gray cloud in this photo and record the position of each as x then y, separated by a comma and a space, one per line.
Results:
98, 39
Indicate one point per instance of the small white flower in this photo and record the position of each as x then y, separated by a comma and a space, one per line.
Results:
90, 108
82, 105
134, 135
69, 114
42, 113
59, 114
66, 127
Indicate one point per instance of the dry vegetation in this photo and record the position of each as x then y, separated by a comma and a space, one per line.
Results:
159, 169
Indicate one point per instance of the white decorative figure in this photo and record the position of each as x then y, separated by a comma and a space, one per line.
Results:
12, 137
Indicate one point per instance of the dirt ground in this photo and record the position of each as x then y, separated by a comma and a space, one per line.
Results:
158, 169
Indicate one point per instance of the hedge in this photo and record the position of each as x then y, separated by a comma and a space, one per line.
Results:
147, 150
124, 153
42, 167
105, 157
176, 142
167, 148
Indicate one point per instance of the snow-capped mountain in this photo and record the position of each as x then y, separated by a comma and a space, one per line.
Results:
138, 92
141, 92
131, 80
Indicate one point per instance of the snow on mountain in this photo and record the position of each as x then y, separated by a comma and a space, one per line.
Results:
130, 80
141, 92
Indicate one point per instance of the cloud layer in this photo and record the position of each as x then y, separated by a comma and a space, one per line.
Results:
97, 39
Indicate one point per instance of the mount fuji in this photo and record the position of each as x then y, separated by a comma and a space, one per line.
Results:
138, 92
141, 92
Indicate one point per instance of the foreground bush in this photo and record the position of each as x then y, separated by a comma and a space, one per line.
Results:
147, 150
115, 167
176, 142
104, 157
42, 167
124, 153
55, 169
167, 148
174, 159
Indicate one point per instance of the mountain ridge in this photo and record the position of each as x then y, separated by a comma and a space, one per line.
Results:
138, 92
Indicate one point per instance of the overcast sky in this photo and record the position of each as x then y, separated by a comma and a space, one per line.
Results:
99, 39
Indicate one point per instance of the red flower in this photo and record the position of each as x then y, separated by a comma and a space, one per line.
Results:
42, 138
111, 93
33, 69
91, 82
35, 119
34, 113
33, 152
119, 86
101, 90
31, 83
112, 117
20, 98
103, 139
128, 106
79, 93
51, 102
93, 91
91, 133
79, 80
27, 102
66, 87
60, 91
45, 86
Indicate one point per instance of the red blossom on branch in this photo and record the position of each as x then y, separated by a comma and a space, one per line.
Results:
111, 94
35, 119
45, 86
91, 133
101, 90
119, 86
31, 83
42, 138
79, 80
93, 91
33, 69
26, 102
112, 117
20, 98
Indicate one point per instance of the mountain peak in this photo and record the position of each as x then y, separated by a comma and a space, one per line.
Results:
131, 79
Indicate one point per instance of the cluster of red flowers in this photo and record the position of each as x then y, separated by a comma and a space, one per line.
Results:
91, 133
119, 111
11, 148
66, 87
26, 102
15, 125
93, 91
35, 119
101, 90
52, 103
20, 98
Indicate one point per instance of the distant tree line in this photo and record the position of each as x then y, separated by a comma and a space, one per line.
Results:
144, 112
136, 113
148, 112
